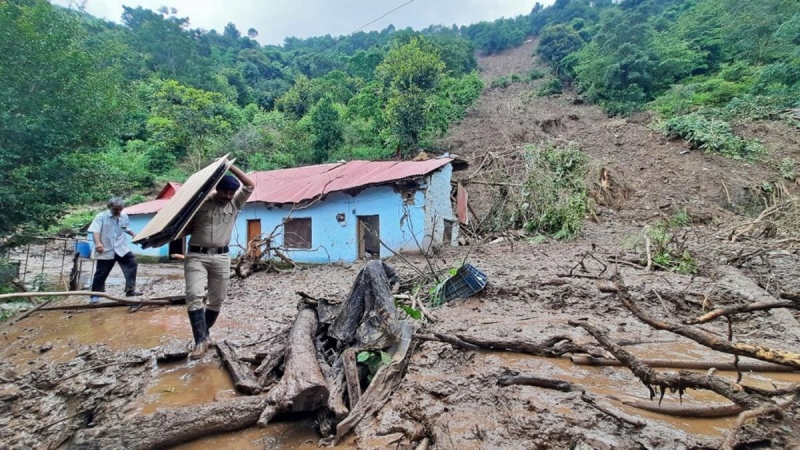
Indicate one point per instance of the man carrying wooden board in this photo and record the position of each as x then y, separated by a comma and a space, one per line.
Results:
208, 260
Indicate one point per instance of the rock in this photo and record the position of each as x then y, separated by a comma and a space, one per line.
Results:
172, 351
9, 393
46, 347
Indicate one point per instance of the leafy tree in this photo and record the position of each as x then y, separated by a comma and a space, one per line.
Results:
327, 129
58, 100
409, 74
556, 43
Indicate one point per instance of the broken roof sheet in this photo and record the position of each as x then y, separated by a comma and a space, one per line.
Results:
306, 183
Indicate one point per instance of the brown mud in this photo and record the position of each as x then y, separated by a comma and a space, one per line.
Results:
49, 390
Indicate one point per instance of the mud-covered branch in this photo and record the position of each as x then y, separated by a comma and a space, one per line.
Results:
738, 309
709, 340
679, 382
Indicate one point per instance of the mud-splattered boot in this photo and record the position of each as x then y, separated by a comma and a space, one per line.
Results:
198, 320
211, 318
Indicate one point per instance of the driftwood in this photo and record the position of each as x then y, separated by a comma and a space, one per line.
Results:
170, 427
746, 366
270, 359
676, 381
240, 373
709, 340
126, 300
683, 410
383, 383
351, 376
566, 386
731, 310
302, 386
551, 347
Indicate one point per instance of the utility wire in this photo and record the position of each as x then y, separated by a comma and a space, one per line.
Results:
336, 41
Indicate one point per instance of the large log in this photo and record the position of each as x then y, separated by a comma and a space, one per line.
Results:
243, 380
302, 386
170, 427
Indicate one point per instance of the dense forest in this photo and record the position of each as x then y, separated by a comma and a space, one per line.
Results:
90, 108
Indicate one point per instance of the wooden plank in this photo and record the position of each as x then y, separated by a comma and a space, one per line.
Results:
351, 375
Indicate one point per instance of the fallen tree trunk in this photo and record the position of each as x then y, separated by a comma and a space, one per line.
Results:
302, 386
240, 373
170, 427
584, 360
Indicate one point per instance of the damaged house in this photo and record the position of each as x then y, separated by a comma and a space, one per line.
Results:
338, 212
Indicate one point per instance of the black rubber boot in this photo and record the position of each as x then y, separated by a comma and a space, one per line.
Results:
198, 320
211, 318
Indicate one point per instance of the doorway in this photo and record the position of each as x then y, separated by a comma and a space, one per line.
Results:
254, 238
369, 233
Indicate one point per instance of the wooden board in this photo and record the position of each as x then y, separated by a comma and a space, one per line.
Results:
173, 217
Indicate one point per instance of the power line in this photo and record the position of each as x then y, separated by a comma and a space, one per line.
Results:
361, 28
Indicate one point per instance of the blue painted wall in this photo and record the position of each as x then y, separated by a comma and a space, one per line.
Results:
406, 225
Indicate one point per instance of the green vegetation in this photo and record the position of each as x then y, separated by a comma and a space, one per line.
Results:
665, 250
711, 135
90, 109
553, 200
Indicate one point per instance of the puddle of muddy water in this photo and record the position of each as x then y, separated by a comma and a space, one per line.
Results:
68, 331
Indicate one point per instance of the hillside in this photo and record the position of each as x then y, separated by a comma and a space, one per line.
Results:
451, 397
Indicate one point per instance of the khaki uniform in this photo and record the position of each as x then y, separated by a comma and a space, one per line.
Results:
211, 228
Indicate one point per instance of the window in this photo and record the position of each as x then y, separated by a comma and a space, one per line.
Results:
297, 233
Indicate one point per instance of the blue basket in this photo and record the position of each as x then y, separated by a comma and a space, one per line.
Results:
467, 281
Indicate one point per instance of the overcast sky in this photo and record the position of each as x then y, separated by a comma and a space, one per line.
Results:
277, 19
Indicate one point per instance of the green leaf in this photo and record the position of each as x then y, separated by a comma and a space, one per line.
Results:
413, 313
363, 356
385, 358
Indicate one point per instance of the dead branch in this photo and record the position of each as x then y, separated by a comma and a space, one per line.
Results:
552, 347
437, 337
127, 300
565, 386
698, 411
585, 360
675, 381
731, 310
240, 373
709, 340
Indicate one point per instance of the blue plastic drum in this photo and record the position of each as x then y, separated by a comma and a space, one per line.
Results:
84, 249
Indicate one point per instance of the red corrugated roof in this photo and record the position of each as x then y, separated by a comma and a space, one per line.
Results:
154, 206
151, 207
305, 183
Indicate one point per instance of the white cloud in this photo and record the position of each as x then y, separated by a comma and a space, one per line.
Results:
276, 19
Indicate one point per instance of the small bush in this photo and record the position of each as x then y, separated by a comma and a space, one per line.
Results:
787, 169
516, 78
711, 135
501, 82
666, 251
536, 74
549, 87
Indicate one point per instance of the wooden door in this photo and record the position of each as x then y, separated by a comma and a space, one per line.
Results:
254, 238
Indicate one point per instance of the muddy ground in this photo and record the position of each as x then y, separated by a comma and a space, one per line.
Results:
47, 397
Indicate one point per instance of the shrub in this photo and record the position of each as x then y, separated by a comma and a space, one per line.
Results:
501, 82
711, 135
549, 87
536, 74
